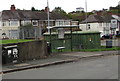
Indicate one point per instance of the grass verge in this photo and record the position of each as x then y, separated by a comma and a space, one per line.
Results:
101, 49
89, 50
13, 41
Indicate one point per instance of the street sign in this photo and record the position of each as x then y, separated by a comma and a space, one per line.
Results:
60, 33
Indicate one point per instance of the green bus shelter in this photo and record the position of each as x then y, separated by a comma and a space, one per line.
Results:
72, 40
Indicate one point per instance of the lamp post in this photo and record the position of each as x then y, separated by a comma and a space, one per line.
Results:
48, 25
86, 12
48, 16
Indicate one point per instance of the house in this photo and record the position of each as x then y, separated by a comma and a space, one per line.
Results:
117, 18
99, 23
12, 19
79, 9
0, 26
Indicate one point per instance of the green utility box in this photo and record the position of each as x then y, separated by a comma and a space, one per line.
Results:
74, 41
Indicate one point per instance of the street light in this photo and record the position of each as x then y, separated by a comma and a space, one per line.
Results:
86, 12
48, 15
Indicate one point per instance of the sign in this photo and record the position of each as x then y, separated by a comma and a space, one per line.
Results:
113, 23
60, 33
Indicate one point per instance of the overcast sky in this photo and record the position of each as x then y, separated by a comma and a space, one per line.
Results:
67, 5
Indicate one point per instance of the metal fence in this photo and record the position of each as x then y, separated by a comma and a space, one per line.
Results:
30, 33
22, 33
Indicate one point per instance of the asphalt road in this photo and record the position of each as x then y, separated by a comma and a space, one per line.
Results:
95, 68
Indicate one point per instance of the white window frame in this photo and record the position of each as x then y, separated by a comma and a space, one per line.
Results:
67, 22
57, 23
35, 21
14, 23
60, 23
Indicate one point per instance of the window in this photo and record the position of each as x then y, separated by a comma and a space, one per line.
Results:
51, 23
35, 23
114, 22
4, 24
67, 22
26, 22
60, 23
41, 23
9, 23
57, 23
13, 23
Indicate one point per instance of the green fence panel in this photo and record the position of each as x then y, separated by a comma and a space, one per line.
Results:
84, 40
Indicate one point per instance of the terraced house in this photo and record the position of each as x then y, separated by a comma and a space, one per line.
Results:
11, 20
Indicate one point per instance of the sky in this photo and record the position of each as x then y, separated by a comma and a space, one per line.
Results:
66, 5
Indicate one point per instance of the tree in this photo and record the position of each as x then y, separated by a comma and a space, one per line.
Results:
59, 10
33, 9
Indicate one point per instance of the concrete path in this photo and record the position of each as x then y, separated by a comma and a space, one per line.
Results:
55, 59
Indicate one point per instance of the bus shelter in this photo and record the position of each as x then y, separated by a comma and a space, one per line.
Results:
64, 37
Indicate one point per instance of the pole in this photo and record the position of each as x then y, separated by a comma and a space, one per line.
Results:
48, 14
86, 12
49, 30
71, 39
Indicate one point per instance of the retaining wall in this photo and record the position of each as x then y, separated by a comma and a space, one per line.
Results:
28, 50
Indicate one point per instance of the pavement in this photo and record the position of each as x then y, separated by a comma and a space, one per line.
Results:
53, 59
115, 42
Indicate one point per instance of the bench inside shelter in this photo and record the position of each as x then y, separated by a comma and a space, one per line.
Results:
60, 48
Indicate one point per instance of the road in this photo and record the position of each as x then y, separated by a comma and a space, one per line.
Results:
95, 68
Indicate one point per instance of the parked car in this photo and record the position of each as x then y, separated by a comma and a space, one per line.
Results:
107, 36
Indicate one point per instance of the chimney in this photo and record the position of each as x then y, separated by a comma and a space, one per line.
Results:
46, 9
12, 8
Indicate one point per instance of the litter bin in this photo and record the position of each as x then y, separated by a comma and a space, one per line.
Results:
49, 47
108, 43
9, 54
